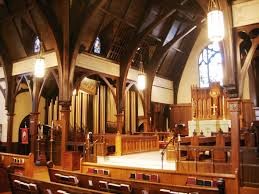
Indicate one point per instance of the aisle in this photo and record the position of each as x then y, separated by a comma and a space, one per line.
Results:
150, 160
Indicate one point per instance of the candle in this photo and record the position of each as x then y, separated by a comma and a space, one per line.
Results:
179, 137
41, 131
38, 131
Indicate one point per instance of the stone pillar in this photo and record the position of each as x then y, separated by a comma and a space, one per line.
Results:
34, 118
120, 122
10, 117
65, 114
234, 109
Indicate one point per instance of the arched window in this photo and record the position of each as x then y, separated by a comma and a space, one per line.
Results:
36, 47
210, 65
97, 46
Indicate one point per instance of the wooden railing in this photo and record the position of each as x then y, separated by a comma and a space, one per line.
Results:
135, 144
22, 164
162, 136
106, 138
124, 144
210, 159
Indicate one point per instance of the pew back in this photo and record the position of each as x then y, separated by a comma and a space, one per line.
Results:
126, 186
165, 176
22, 164
25, 185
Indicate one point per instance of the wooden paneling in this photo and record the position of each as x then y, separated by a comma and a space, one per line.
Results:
72, 160
249, 190
127, 144
180, 113
247, 114
135, 144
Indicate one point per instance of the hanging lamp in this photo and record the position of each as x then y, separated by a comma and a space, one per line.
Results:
141, 82
39, 66
215, 20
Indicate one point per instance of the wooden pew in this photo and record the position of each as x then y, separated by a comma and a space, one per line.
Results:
127, 185
4, 179
22, 164
219, 154
25, 185
166, 177
215, 147
199, 141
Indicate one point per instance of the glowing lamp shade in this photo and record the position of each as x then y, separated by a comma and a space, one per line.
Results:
215, 25
141, 84
39, 67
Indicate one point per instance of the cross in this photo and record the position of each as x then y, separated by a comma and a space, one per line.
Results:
214, 109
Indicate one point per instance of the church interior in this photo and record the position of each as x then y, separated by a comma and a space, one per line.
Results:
129, 96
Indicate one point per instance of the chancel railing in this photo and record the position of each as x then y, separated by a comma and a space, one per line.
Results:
211, 159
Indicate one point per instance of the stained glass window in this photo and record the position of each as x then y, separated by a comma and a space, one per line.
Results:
210, 65
37, 45
97, 46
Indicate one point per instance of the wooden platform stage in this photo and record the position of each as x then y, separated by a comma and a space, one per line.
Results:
151, 160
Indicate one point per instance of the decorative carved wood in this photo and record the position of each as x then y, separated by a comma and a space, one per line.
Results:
208, 103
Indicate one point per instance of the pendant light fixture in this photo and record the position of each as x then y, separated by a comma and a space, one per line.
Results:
39, 66
215, 20
141, 82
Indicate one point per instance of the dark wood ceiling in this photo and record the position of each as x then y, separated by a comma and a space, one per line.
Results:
116, 23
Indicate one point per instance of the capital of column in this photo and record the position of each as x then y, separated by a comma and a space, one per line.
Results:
10, 114
34, 113
234, 104
65, 106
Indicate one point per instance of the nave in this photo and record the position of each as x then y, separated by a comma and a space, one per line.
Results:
129, 96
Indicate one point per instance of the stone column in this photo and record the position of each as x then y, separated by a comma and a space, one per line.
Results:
34, 118
65, 114
234, 109
10, 117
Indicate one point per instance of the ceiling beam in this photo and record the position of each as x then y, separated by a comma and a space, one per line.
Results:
159, 56
18, 13
12, 19
75, 45
130, 52
53, 26
117, 17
